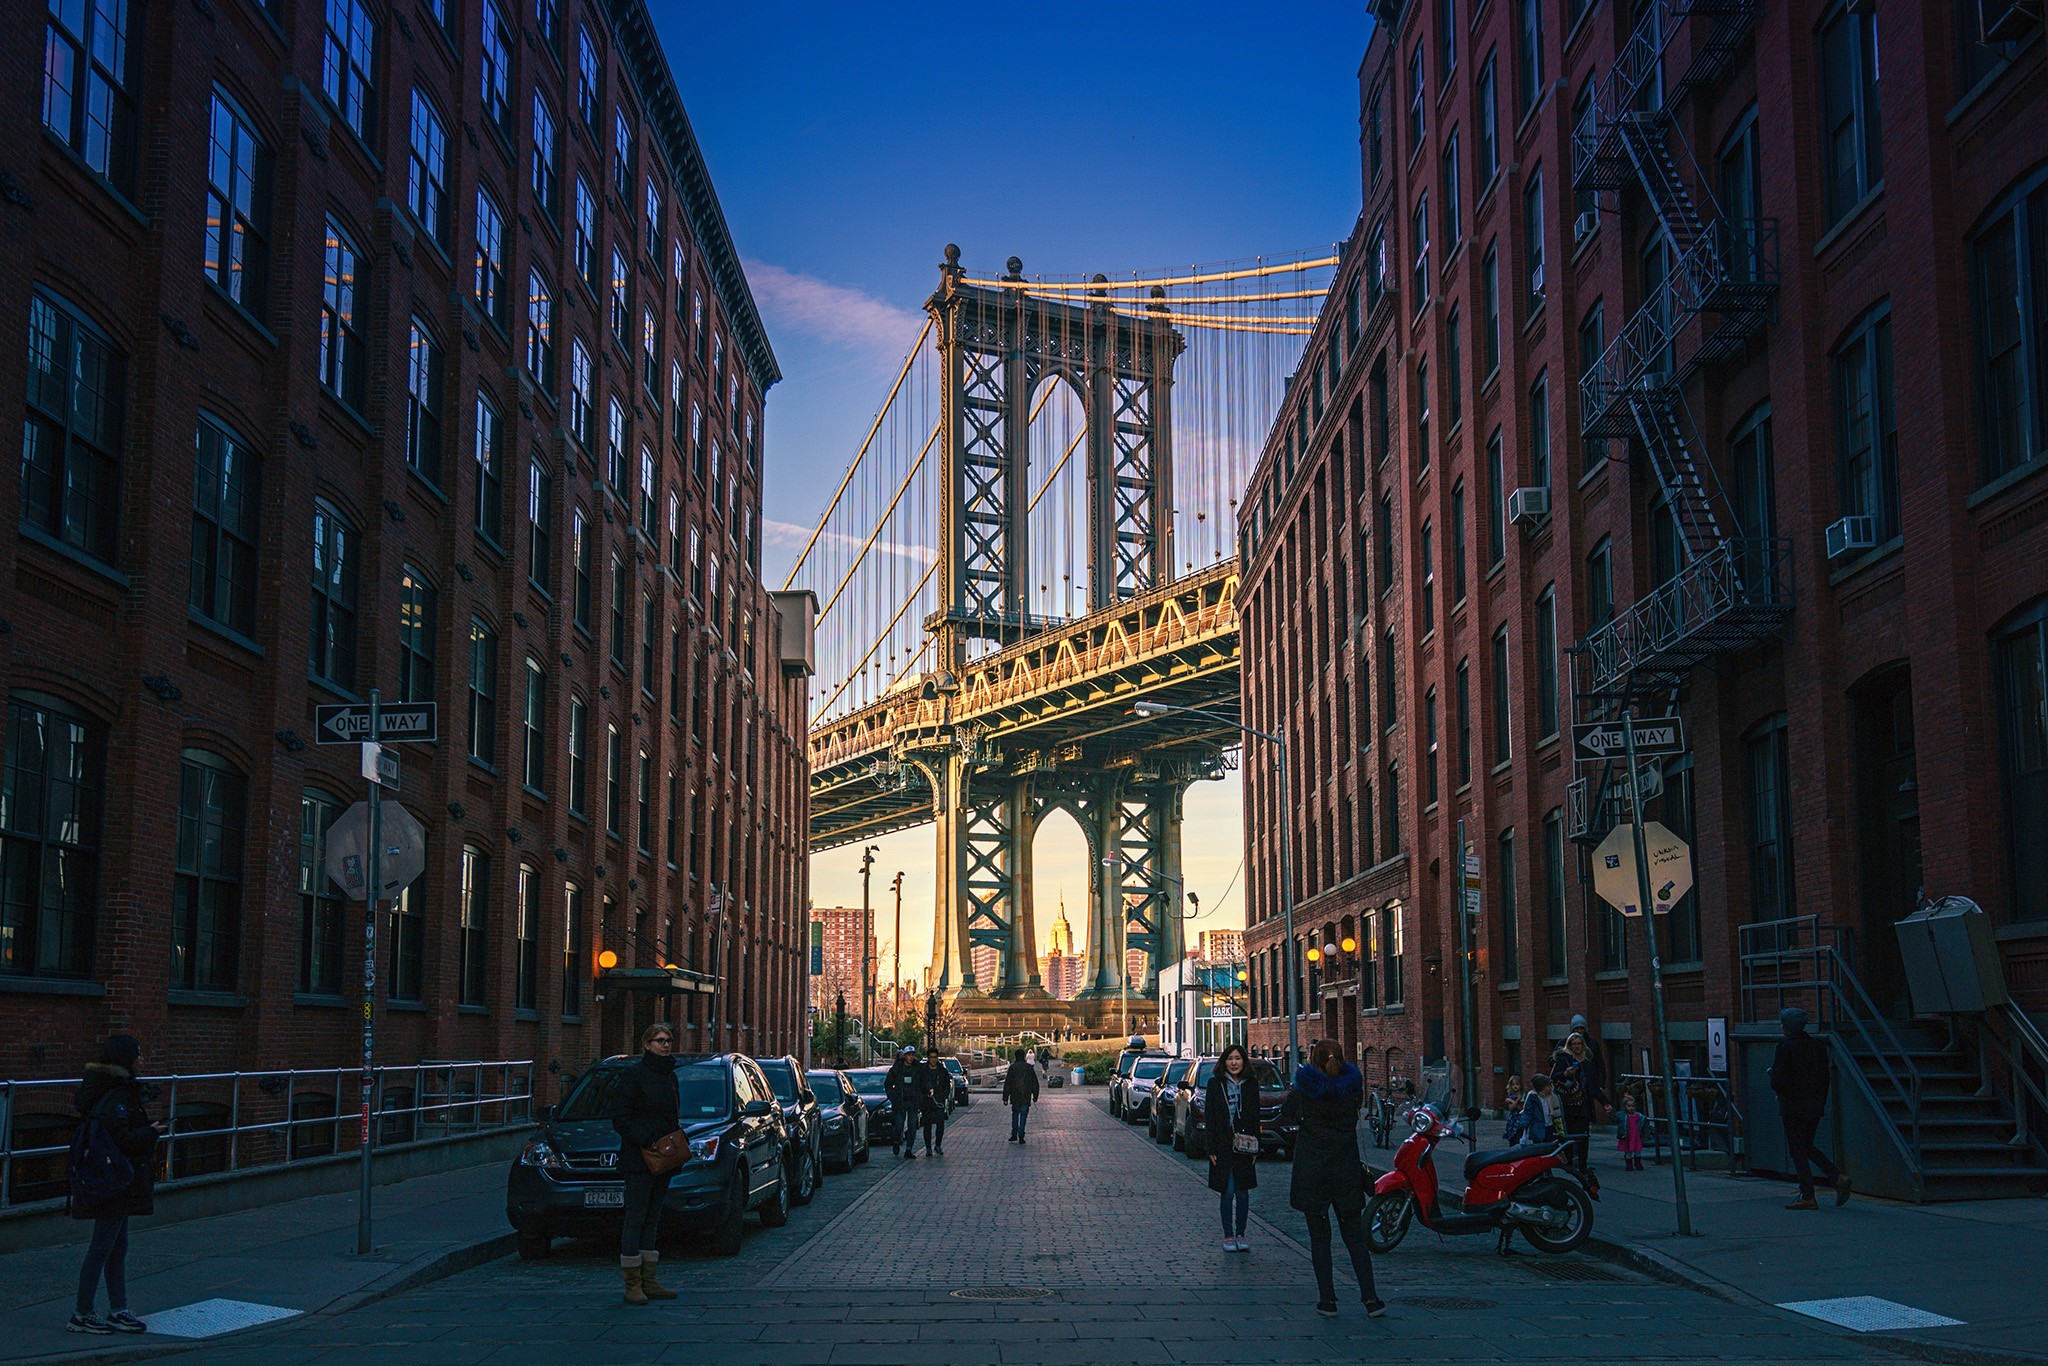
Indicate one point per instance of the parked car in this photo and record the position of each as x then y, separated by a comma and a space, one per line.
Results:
1159, 1117
1274, 1136
1187, 1101
846, 1119
1125, 1062
961, 1095
565, 1182
805, 1122
873, 1085
1139, 1086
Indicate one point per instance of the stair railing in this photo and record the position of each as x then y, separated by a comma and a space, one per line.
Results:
2010, 1036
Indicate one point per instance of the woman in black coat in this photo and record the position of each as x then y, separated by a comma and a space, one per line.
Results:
110, 1095
1230, 1111
646, 1108
1328, 1176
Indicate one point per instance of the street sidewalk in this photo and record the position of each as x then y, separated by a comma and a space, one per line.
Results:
1978, 1261
296, 1255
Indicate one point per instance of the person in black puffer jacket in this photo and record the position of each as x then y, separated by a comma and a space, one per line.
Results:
1328, 1176
1230, 1108
645, 1109
110, 1095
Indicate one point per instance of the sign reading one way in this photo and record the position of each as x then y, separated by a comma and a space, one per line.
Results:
1614, 868
345, 723
1606, 739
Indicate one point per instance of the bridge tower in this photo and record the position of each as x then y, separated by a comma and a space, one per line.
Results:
996, 343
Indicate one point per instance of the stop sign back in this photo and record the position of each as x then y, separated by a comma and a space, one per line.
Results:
404, 855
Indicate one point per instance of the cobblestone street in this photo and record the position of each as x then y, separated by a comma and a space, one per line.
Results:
1102, 1247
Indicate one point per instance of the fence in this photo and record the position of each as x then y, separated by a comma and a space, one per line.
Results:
245, 1121
1708, 1118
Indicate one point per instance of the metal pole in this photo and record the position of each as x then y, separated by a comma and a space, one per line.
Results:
1287, 911
1635, 797
1469, 1034
867, 958
896, 967
371, 899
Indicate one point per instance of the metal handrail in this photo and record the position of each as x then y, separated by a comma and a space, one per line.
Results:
1651, 1092
254, 1140
2021, 1044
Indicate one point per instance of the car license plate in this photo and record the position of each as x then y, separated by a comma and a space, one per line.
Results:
604, 1199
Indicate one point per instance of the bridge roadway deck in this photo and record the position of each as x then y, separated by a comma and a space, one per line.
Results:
1122, 1238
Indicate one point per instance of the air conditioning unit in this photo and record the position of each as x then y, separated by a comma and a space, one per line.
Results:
1585, 225
1851, 533
1529, 507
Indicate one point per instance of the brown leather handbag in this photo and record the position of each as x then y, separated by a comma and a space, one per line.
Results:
667, 1153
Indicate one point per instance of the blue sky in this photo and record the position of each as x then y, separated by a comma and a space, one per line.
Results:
849, 144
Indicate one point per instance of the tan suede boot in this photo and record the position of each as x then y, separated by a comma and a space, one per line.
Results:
634, 1294
651, 1288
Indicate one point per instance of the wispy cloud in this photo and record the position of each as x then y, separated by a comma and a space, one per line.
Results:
831, 313
791, 537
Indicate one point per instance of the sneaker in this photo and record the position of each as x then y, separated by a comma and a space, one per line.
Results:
1804, 1202
1375, 1308
1328, 1309
89, 1323
1244, 1244
1230, 1244
125, 1322
1841, 1189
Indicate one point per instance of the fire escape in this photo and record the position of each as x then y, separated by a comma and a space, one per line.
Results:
1717, 294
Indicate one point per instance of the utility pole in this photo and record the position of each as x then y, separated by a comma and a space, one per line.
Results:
1649, 905
867, 956
374, 899
896, 967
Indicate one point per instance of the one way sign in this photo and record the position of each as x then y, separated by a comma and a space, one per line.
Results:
349, 722
1608, 739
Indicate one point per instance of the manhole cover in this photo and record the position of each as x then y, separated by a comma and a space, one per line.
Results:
1557, 1270
1445, 1302
1002, 1292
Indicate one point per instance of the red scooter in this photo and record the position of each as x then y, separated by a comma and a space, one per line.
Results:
1531, 1189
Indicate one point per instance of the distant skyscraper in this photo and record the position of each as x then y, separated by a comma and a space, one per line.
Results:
984, 958
1062, 932
1060, 970
1222, 946
843, 959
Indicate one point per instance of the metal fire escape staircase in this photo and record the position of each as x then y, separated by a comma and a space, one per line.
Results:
1717, 294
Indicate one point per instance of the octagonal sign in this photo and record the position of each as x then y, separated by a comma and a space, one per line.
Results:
1614, 868
348, 848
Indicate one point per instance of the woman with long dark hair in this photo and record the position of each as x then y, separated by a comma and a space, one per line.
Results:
1230, 1121
646, 1108
1328, 1176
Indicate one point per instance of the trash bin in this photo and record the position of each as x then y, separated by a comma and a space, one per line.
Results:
1077, 1075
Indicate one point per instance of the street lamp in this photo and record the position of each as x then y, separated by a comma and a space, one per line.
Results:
867, 953
1286, 856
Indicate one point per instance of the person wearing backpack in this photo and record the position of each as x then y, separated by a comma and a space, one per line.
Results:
113, 1178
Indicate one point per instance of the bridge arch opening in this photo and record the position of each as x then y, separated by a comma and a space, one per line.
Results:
1057, 507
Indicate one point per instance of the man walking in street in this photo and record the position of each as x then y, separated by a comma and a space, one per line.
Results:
1799, 1076
905, 1100
1020, 1088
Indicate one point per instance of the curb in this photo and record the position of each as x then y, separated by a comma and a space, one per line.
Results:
1671, 1271
422, 1270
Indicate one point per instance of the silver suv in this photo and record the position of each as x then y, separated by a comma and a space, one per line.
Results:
1140, 1087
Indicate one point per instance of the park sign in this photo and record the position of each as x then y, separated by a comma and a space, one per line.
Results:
1615, 880
1596, 740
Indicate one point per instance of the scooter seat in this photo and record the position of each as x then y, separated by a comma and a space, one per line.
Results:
1478, 1162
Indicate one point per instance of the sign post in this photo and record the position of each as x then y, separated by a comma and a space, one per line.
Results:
372, 897
1628, 727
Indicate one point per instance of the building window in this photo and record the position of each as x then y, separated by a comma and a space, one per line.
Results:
2020, 661
416, 611
526, 973
1462, 720
619, 287
1458, 541
622, 155
540, 525
619, 626
87, 102
547, 185
675, 673
490, 471
70, 460
1532, 227
1375, 136
495, 69
490, 258
322, 912
1546, 663
1767, 775
643, 803
226, 499
650, 355
1592, 345
426, 176
49, 839
580, 551
540, 331
206, 904
1489, 124
650, 633
348, 64
1446, 39
575, 968
1385, 531
1418, 101
579, 392
237, 206
654, 221
1391, 954
1496, 503
1853, 142
2009, 260
1419, 275
673, 816
1489, 283
423, 402
1454, 228
1429, 751
472, 968
483, 692
333, 657
1682, 922
586, 234
1529, 53
341, 339
1503, 712
1866, 427
614, 781
1539, 431
1600, 586
1422, 447
1388, 688
1504, 900
589, 80
579, 756
533, 725
1553, 894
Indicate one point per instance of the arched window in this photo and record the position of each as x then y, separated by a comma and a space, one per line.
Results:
206, 902
322, 911
49, 839
2020, 662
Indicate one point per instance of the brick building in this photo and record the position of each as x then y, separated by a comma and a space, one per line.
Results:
381, 345
1222, 946
844, 962
1732, 404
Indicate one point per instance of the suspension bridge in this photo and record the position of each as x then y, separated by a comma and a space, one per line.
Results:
1039, 531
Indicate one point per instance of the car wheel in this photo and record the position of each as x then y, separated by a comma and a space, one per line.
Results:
867, 1150
1196, 1147
775, 1213
727, 1237
1180, 1140
1160, 1135
806, 1178
535, 1247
